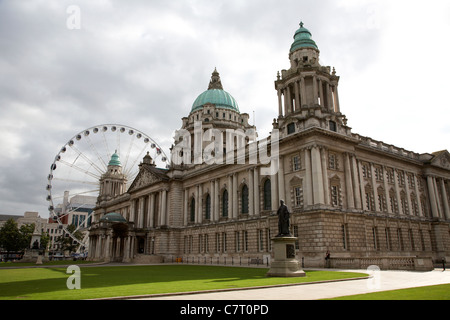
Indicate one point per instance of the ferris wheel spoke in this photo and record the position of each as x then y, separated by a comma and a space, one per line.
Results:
71, 165
100, 159
127, 172
92, 163
128, 153
105, 143
76, 181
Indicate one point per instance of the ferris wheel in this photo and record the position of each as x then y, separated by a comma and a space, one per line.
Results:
73, 182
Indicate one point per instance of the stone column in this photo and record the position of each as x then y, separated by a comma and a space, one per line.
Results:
321, 93
281, 187
286, 104
200, 204
251, 191
256, 190
185, 207
386, 190
151, 218
326, 185
289, 97
397, 192
140, 222
315, 91
230, 196
432, 197
235, 196
297, 97
217, 201
107, 256
98, 247
445, 200
336, 99
197, 201
308, 179
213, 200
317, 176
361, 185
416, 187
164, 208
408, 194
280, 103
303, 91
348, 182
331, 105
356, 188
132, 210
375, 189
274, 191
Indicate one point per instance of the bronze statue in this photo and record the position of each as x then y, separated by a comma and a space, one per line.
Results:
283, 221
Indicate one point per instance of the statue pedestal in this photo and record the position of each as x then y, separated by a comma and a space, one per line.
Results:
284, 263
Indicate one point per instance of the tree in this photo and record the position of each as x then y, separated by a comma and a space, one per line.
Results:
67, 243
14, 239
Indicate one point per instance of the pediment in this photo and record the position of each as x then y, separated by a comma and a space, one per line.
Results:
144, 178
441, 159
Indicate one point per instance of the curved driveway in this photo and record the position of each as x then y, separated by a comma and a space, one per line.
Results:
379, 281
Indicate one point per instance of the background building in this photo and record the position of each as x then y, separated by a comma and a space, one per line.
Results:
368, 202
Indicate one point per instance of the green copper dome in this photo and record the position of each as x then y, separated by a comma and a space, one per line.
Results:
115, 160
215, 95
303, 39
220, 98
113, 217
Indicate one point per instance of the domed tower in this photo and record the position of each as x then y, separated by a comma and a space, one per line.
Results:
308, 92
113, 182
213, 109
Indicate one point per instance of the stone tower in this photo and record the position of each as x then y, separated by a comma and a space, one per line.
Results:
113, 182
308, 92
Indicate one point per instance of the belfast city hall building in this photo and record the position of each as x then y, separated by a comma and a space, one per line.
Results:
365, 201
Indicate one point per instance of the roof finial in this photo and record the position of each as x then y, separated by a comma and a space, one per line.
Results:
215, 82
301, 24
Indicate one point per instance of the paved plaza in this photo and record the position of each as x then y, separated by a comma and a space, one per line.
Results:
378, 281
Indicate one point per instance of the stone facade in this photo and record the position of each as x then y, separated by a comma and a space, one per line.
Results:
365, 201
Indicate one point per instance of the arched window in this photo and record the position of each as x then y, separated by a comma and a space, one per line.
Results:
225, 204
192, 217
208, 208
267, 195
245, 199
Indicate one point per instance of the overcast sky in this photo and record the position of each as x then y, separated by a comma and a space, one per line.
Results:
143, 63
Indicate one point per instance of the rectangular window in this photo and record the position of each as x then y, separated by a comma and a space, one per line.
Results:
295, 163
217, 242
388, 239
291, 128
260, 240
245, 242
375, 238
224, 242
344, 236
400, 239
298, 191
268, 240
238, 241
334, 196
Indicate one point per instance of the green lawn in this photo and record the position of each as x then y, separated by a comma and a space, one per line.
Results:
99, 282
439, 292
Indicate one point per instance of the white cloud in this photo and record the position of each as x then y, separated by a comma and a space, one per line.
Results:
142, 64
